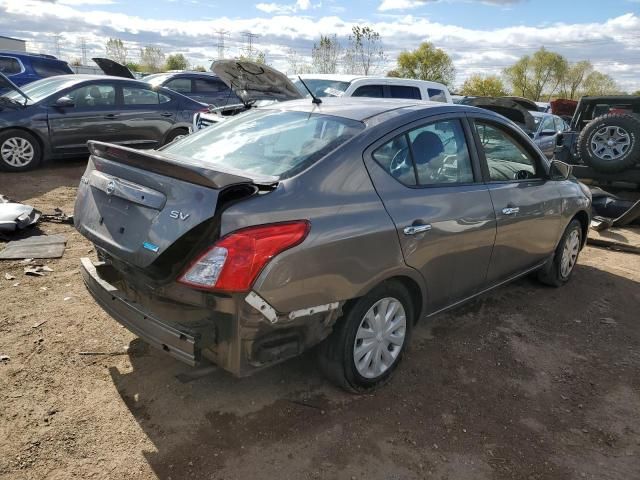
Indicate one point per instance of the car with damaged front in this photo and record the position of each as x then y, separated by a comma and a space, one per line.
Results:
339, 224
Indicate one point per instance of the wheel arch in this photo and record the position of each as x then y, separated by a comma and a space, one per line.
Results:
35, 134
583, 217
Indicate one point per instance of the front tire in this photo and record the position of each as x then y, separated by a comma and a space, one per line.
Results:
368, 342
176, 134
559, 271
19, 151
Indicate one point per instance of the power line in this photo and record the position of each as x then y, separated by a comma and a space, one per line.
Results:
249, 42
56, 45
83, 47
221, 37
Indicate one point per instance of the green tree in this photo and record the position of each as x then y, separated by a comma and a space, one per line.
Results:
116, 50
151, 59
176, 62
134, 67
484, 86
637, 93
598, 83
364, 54
542, 72
427, 63
573, 79
393, 73
325, 54
199, 68
257, 56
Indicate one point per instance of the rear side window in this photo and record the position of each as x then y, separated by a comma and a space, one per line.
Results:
140, 96
208, 86
182, 85
435, 154
403, 91
437, 95
10, 65
506, 158
266, 142
375, 91
46, 68
547, 123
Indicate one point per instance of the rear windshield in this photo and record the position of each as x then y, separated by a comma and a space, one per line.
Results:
267, 142
321, 87
41, 89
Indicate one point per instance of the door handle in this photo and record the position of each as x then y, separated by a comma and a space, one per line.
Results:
510, 210
110, 116
415, 229
166, 114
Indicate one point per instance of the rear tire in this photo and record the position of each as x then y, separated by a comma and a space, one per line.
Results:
610, 143
19, 151
559, 270
368, 341
176, 135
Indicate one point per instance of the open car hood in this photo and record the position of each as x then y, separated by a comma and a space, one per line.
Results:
5, 83
512, 108
112, 68
252, 81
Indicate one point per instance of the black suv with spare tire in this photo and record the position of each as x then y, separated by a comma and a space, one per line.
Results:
604, 139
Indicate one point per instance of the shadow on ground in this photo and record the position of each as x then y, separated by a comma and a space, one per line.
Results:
527, 382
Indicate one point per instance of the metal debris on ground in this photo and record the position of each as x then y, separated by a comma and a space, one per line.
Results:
57, 217
8, 276
41, 246
613, 211
4, 358
37, 270
17, 216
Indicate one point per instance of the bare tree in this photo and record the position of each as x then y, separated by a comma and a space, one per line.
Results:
297, 63
364, 54
573, 79
116, 50
151, 59
325, 55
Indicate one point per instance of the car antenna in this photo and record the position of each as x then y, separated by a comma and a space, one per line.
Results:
315, 100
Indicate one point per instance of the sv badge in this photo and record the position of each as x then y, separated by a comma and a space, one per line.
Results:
178, 215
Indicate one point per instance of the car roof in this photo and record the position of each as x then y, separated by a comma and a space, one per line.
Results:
358, 108
352, 78
186, 73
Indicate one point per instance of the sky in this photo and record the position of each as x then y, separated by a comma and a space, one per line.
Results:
481, 36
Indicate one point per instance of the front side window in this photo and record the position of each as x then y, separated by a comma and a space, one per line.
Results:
506, 158
10, 66
267, 142
93, 96
375, 91
139, 96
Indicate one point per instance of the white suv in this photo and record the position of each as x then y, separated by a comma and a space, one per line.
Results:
330, 85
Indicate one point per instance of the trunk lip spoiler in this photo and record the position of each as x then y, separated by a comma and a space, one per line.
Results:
174, 166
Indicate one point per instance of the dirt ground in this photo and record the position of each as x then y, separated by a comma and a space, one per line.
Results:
526, 383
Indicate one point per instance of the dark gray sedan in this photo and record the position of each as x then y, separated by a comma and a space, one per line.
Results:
340, 224
54, 117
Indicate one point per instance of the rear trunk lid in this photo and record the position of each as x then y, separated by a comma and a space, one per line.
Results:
135, 205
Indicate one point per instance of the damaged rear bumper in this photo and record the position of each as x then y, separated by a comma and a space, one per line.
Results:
135, 318
239, 333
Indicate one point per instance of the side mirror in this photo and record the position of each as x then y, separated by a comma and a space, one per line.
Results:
548, 133
64, 102
559, 170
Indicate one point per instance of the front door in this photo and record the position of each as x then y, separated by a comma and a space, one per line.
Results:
93, 116
428, 183
527, 204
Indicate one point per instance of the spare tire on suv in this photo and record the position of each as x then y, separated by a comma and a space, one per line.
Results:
611, 143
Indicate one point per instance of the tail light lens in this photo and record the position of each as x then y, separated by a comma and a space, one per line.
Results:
233, 263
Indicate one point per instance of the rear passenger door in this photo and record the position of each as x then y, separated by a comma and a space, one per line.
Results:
527, 204
147, 115
429, 181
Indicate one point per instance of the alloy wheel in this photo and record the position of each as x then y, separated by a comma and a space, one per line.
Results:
570, 253
17, 151
380, 337
610, 143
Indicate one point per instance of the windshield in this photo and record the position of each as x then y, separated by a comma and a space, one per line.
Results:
267, 142
41, 89
156, 80
321, 87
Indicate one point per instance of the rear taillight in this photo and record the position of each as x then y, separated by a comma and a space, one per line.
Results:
233, 262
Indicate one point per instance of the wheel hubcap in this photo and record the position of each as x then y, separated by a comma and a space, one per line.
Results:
610, 143
570, 253
380, 337
17, 152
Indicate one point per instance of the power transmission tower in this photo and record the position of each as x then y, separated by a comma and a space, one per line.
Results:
83, 47
249, 42
56, 45
221, 35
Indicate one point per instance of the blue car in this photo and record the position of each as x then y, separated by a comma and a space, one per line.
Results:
22, 68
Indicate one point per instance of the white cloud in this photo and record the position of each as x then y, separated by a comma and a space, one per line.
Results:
85, 2
399, 4
611, 45
281, 8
